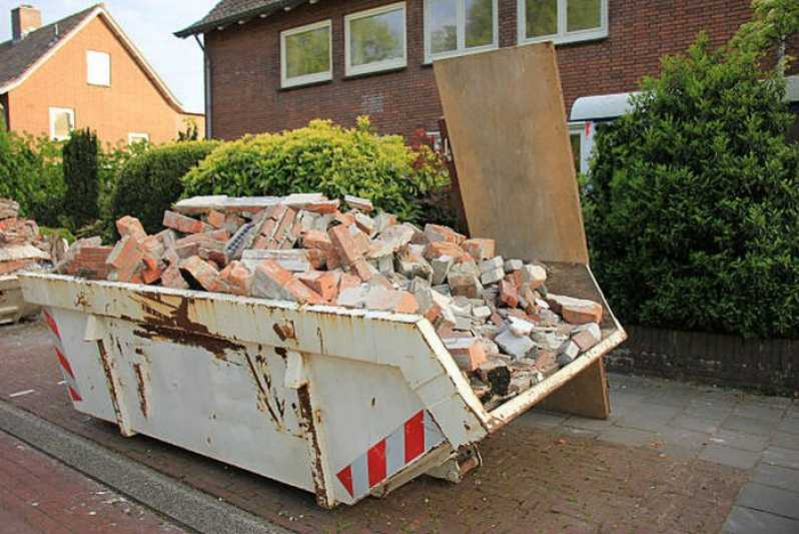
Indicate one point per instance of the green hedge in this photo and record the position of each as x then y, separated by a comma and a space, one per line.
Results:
692, 210
324, 158
149, 182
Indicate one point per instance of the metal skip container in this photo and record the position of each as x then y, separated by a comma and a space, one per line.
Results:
342, 403
12, 305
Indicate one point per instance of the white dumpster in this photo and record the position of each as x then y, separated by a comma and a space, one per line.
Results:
339, 402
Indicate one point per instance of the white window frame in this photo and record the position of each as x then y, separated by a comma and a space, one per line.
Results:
89, 53
53, 113
138, 137
562, 36
461, 49
389, 64
307, 78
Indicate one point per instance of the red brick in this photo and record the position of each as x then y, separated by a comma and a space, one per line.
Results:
215, 218
202, 271
348, 247
237, 278
323, 283
125, 259
468, 353
183, 224
508, 294
436, 232
131, 226
480, 249
172, 278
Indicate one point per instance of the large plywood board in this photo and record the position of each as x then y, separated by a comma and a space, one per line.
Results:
507, 127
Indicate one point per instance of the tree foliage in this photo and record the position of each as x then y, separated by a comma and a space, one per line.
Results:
82, 177
693, 207
149, 182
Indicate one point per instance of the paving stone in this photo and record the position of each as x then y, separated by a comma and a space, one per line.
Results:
760, 412
729, 456
628, 436
577, 432
739, 440
768, 499
789, 425
687, 439
746, 521
649, 417
697, 424
541, 419
781, 457
585, 423
749, 426
709, 411
786, 440
779, 477
680, 451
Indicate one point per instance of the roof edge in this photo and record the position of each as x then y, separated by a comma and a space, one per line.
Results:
200, 27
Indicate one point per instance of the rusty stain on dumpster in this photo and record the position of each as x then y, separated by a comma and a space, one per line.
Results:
140, 376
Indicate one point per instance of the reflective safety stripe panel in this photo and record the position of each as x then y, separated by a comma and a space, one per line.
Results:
66, 368
409, 442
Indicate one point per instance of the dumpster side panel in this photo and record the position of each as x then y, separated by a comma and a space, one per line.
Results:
79, 362
217, 398
12, 305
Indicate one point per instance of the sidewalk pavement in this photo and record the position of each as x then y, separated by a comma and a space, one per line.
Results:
40, 494
672, 458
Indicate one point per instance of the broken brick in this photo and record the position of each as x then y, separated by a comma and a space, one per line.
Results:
131, 226
468, 352
183, 224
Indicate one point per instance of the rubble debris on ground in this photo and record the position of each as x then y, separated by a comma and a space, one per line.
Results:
494, 315
22, 247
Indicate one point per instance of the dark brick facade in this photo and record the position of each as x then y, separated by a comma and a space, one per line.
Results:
247, 98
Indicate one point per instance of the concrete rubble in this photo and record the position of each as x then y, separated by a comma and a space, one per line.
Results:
503, 328
22, 247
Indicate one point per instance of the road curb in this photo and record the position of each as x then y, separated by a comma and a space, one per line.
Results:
180, 503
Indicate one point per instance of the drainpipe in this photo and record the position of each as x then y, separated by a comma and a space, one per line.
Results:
208, 88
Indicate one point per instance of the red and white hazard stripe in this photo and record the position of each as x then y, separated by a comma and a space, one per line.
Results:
418, 435
66, 368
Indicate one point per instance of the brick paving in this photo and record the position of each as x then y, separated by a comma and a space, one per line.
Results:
38, 494
672, 457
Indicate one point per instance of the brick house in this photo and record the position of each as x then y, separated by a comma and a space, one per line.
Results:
83, 71
276, 64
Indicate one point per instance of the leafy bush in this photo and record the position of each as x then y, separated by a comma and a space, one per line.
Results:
30, 173
81, 174
324, 158
693, 207
149, 182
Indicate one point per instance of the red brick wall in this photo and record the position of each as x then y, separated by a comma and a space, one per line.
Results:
247, 97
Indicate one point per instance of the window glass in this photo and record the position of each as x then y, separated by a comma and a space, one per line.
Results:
584, 14
541, 17
307, 52
98, 68
443, 25
62, 122
479, 23
377, 38
576, 141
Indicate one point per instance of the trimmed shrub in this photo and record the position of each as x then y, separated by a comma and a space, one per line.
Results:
324, 158
81, 175
692, 210
149, 182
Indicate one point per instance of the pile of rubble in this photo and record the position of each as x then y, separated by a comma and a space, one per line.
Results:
21, 245
494, 315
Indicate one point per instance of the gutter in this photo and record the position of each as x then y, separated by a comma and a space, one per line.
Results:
207, 72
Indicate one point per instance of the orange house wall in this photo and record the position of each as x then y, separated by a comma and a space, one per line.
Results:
131, 104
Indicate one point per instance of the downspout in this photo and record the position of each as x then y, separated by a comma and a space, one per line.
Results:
208, 88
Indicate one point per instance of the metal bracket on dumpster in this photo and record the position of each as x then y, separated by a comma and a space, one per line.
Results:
295, 371
96, 331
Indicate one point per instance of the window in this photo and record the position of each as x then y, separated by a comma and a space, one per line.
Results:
62, 121
375, 39
98, 68
562, 21
305, 55
134, 138
576, 138
456, 27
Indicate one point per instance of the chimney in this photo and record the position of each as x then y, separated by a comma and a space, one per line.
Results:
24, 19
